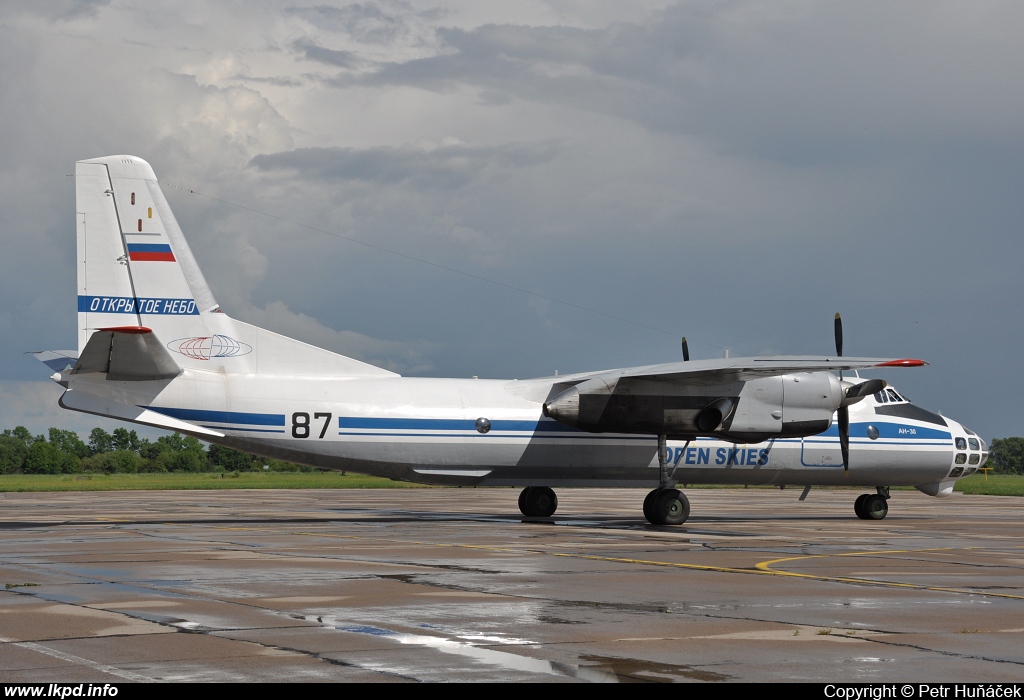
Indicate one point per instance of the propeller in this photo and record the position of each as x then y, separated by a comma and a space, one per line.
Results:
844, 409
686, 350
851, 394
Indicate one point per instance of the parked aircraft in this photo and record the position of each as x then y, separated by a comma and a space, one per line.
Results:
155, 348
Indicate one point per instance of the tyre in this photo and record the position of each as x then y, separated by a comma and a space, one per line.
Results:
875, 507
670, 507
541, 502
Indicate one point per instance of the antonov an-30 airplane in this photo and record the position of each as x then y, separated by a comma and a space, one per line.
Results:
155, 348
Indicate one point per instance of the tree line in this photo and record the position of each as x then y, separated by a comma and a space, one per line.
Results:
122, 451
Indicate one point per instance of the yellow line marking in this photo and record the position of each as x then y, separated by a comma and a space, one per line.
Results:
761, 568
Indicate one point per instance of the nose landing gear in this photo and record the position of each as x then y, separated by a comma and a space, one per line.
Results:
872, 506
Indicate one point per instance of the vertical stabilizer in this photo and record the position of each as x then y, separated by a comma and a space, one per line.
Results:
135, 270
134, 267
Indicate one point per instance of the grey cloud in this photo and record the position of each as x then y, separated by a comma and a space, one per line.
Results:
447, 166
321, 54
280, 81
57, 10
365, 22
814, 85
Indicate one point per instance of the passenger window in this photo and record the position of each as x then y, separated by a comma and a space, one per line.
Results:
961, 458
974, 459
973, 442
961, 444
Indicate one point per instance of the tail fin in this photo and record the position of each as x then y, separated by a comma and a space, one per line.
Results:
135, 269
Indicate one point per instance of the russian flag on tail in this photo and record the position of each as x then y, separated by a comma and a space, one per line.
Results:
150, 252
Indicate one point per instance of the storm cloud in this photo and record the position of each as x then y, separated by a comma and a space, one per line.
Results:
733, 172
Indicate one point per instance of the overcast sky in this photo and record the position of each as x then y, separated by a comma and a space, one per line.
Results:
735, 172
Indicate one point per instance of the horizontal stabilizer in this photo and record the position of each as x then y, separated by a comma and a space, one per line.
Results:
130, 353
57, 360
101, 406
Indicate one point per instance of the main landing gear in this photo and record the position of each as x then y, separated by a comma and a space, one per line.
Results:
538, 502
872, 506
666, 505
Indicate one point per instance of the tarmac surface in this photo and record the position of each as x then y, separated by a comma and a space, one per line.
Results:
454, 585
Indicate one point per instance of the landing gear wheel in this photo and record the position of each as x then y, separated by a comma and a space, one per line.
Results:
858, 506
875, 507
522, 499
649, 505
538, 502
668, 507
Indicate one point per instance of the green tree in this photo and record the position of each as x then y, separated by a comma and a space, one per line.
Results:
176, 452
44, 458
123, 439
100, 441
232, 460
1007, 455
22, 433
68, 441
13, 452
115, 462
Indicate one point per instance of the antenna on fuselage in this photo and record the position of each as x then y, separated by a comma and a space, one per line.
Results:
686, 350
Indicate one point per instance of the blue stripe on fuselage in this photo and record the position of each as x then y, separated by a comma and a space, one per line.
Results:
191, 414
902, 431
526, 426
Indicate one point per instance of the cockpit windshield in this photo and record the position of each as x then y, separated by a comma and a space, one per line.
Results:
890, 395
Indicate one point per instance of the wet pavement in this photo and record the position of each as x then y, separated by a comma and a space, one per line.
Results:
454, 585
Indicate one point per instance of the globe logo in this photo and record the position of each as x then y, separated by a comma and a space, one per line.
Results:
209, 347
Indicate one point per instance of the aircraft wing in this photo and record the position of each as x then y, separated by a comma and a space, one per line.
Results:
744, 368
737, 369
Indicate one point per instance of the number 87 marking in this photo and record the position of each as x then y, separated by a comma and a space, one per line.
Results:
300, 424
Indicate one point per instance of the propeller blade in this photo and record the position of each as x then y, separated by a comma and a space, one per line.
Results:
839, 335
686, 350
871, 386
844, 436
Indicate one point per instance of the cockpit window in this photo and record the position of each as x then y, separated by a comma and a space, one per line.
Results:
961, 444
961, 458
893, 396
973, 442
880, 397
974, 459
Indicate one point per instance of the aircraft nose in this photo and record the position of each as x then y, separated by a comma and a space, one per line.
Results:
971, 450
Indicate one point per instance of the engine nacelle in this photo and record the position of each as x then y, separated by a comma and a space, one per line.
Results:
792, 405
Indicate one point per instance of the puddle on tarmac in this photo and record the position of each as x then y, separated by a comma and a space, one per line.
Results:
642, 671
595, 669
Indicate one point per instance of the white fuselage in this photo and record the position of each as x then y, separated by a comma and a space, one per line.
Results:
425, 430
